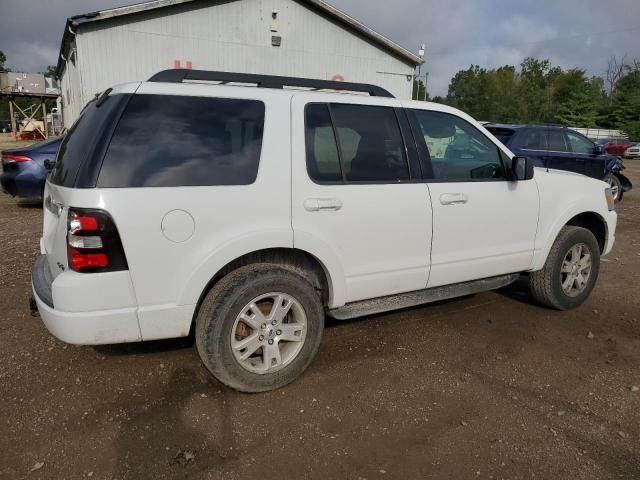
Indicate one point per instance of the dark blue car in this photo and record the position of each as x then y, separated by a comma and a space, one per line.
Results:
24, 170
558, 147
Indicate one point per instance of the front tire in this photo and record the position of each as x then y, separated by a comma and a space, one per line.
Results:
570, 272
259, 328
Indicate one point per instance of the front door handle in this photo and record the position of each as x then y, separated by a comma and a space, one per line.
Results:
453, 199
322, 204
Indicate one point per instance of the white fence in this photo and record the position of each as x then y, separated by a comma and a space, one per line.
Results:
598, 133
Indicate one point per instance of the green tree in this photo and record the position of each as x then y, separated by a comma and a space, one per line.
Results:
533, 95
625, 104
468, 91
576, 99
502, 94
3, 59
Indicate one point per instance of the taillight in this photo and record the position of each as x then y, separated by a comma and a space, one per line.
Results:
93, 242
12, 158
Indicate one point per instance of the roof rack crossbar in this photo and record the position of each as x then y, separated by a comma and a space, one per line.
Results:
179, 75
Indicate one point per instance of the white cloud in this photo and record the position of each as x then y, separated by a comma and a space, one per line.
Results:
521, 30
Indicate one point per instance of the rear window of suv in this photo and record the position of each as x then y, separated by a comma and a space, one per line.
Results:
84, 144
170, 141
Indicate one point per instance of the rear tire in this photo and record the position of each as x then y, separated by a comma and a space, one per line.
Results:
241, 309
567, 278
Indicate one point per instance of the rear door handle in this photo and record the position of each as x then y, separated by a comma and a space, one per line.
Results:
453, 199
322, 204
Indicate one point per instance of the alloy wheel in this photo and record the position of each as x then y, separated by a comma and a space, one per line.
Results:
269, 333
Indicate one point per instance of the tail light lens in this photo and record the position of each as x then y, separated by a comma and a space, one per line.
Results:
13, 158
93, 242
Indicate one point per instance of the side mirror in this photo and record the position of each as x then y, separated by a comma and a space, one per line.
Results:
521, 168
49, 164
598, 150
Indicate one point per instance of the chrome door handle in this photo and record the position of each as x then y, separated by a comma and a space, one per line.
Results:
453, 199
322, 204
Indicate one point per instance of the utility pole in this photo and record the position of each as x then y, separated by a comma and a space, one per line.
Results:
421, 52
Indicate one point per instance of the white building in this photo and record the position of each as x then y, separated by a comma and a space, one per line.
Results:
300, 38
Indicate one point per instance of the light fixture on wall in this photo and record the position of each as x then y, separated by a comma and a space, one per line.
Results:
276, 40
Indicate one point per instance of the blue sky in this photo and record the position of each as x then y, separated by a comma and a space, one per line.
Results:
571, 33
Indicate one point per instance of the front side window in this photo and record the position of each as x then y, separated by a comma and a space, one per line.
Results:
171, 140
534, 139
354, 143
556, 140
579, 144
459, 152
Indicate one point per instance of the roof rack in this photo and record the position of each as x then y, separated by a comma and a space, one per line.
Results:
546, 124
179, 75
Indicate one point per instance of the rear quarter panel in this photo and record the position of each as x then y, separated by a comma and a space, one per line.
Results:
229, 221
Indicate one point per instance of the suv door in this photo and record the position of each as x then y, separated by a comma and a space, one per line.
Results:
559, 154
483, 224
357, 199
532, 143
583, 152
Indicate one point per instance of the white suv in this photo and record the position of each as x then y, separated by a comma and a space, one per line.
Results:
247, 213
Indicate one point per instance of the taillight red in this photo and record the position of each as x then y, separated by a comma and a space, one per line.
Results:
79, 260
13, 158
93, 242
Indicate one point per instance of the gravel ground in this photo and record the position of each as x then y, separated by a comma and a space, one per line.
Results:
487, 386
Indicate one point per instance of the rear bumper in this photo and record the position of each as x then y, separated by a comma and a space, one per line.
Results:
98, 327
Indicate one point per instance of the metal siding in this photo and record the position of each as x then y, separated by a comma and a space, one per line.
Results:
72, 92
232, 36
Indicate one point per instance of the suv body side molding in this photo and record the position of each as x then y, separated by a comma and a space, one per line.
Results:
420, 297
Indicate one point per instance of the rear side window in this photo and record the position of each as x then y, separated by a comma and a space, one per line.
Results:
534, 139
323, 161
354, 143
171, 141
502, 134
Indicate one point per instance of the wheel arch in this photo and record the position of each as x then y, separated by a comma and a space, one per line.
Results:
592, 221
299, 261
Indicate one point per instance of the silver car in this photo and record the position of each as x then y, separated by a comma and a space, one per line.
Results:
633, 151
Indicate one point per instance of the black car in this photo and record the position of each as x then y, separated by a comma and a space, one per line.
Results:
559, 147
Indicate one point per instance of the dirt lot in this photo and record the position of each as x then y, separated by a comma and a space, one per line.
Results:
488, 386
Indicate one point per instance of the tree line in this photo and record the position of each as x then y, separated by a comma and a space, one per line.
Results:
539, 92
